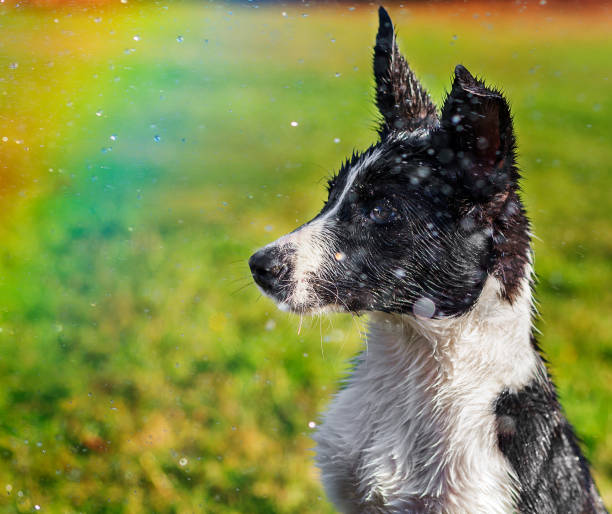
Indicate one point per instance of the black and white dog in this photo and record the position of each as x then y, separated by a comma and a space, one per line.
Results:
451, 408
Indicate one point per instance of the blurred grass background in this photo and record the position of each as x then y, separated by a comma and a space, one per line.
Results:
146, 149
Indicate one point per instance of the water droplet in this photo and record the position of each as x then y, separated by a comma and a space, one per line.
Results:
294, 123
284, 14
270, 325
339, 256
312, 424
13, 65
179, 39
423, 171
99, 112
136, 38
424, 308
336, 140
113, 137
157, 138
183, 461
338, 74
97, 19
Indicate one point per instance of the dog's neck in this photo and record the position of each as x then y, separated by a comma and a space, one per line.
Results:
425, 392
490, 345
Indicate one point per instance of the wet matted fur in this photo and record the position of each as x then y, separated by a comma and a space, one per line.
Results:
451, 408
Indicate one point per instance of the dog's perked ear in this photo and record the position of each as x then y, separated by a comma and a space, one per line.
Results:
477, 132
403, 103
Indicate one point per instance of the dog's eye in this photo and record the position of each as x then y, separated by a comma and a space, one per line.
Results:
383, 214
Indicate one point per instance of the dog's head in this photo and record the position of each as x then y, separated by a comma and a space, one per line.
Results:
418, 221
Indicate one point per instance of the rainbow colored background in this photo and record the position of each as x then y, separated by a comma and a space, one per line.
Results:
146, 148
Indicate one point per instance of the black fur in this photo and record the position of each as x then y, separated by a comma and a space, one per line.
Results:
539, 442
425, 252
403, 103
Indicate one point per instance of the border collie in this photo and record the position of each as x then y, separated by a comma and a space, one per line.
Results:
450, 409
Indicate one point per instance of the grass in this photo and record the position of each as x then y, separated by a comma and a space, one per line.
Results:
149, 151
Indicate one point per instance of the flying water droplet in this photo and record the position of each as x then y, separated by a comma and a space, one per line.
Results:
157, 138
179, 39
424, 308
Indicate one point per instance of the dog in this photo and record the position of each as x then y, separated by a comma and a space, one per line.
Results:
451, 408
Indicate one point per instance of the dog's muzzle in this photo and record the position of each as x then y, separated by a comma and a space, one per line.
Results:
270, 271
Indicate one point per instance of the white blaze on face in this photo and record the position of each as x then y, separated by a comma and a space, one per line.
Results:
309, 256
314, 244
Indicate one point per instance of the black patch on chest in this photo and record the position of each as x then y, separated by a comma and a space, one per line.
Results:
540, 443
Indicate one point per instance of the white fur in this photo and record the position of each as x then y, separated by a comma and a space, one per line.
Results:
414, 430
311, 242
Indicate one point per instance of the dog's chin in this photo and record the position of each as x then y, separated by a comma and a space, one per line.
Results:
309, 309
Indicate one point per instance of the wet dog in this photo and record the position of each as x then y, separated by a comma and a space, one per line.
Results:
451, 409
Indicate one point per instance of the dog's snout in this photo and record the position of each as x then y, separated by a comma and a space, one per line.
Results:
266, 267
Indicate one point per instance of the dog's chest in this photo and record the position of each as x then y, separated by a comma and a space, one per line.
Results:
411, 434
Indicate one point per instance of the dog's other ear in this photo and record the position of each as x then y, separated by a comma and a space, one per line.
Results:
477, 126
403, 103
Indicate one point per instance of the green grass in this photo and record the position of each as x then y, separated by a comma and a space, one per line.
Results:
140, 369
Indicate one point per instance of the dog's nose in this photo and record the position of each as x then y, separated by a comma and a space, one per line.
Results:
266, 267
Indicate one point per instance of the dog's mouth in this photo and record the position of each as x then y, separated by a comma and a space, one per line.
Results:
294, 299
273, 272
